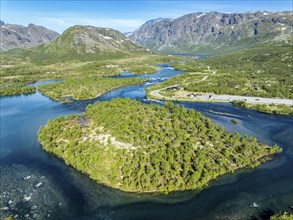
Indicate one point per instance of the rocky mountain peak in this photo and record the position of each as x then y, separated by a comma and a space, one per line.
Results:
213, 31
18, 36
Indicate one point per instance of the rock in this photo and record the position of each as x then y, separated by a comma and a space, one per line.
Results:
254, 205
5, 208
48, 216
10, 202
39, 184
27, 177
27, 198
16, 216
35, 215
60, 204
34, 207
17, 36
209, 30
27, 215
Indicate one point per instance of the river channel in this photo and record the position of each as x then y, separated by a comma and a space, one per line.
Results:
37, 185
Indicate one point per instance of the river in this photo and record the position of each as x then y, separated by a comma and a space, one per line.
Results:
37, 185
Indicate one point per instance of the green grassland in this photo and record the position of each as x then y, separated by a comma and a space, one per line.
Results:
147, 148
262, 71
17, 70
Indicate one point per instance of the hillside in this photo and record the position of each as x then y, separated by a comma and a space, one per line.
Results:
214, 32
17, 36
264, 70
147, 148
86, 43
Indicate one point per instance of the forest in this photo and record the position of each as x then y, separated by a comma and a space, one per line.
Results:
262, 71
135, 147
17, 89
17, 69
84, 88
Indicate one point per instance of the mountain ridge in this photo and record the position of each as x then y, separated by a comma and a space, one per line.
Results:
203, 32
18, 36
86, 43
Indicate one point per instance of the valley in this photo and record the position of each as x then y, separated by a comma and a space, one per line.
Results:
163, 122
258, 77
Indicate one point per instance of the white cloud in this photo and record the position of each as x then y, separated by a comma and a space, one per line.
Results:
120, 24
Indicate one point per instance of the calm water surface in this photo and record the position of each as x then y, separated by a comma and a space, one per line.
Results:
67, 194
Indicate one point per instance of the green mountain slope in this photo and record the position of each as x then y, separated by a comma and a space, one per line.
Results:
85, 43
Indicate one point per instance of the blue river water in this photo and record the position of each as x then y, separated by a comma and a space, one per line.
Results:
37, 185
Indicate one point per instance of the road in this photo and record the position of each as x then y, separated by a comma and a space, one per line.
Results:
220, 98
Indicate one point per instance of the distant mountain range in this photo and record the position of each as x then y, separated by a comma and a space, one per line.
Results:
17, 36
213, 32
204, 33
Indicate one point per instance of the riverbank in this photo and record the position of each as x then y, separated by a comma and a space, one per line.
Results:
148, 158
267, 105
86, 199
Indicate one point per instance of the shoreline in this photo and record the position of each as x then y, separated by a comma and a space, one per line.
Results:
251, 101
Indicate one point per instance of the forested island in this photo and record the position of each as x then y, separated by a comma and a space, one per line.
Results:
84, 88
135, 147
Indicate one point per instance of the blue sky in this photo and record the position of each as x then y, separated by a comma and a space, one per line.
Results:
120, 15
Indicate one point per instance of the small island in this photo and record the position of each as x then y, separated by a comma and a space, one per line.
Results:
134, 147
84, 88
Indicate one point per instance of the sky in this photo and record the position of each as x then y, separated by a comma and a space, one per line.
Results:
122, 15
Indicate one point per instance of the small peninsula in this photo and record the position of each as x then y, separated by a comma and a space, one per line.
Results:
134, 147
258, 77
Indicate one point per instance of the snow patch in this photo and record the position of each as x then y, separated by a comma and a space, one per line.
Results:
106, 37
200, 15
127, 35
9, 29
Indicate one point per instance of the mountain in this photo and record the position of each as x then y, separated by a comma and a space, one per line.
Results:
17, 36
213, 32
127, 34
86, 43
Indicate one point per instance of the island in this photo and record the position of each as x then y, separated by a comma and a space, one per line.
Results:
84, 88
141, 148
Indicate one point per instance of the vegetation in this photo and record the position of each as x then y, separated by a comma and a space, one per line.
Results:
266, 108
285, 216
84, 88
261, 71
17, 90
234, 121
147, 148
16, 69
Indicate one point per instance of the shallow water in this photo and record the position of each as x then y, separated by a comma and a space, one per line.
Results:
67, 194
